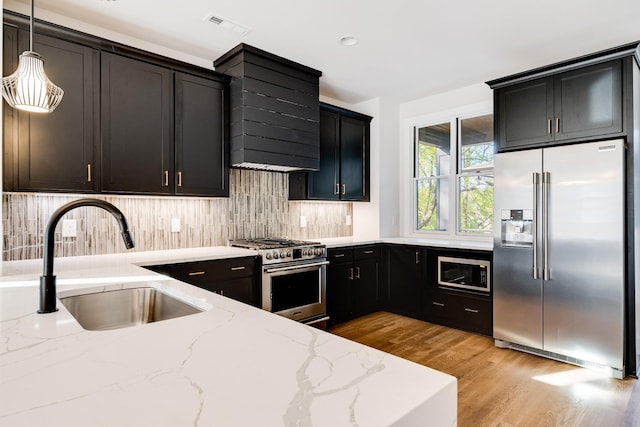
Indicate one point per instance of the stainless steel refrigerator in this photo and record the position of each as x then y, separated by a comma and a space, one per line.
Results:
559, 264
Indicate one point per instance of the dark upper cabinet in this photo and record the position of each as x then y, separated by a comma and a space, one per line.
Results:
55, 151
344, 159
130, 122
525, 111
201, 148
582, 103
323, 184
137, 126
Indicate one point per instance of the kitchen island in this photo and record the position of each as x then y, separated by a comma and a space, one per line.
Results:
229, 365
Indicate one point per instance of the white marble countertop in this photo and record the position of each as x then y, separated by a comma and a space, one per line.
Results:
231, 365
416, 241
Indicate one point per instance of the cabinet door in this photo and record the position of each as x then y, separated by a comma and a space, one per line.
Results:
323, 183
137, 126
56, 151
200, 149
366, 286
588, 101
406, 276
354, 135
525, 114
242, 289
338, 292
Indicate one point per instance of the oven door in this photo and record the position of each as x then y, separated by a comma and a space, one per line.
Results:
296, 291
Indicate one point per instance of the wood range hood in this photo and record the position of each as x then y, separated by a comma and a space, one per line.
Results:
274, 111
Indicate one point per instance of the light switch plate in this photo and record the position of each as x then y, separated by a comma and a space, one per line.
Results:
175, 225
303, 221
69, 228
348, 219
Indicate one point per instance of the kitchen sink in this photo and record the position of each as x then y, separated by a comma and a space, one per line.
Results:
122, 308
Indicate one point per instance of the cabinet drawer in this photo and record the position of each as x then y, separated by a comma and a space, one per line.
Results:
207, 271
459, 311
369, 251
339, 255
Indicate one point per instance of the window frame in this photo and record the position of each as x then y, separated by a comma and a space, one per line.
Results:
409, 209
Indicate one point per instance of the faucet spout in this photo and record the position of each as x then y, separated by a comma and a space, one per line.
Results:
48, 279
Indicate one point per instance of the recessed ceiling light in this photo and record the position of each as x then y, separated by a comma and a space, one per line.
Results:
348, 41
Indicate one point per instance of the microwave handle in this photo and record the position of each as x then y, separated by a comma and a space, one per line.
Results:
296, 267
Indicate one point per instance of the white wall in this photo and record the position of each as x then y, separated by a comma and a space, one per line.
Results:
459, 101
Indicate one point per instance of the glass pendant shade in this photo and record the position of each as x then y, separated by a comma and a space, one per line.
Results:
29, 88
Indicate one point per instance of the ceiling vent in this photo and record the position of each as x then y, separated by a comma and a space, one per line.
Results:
227, 24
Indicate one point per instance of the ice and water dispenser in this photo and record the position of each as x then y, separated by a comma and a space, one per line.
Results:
517, 227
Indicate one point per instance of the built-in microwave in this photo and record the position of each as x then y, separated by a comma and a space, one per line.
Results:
464, 274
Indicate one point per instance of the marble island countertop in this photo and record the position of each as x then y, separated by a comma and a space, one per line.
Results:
230, 365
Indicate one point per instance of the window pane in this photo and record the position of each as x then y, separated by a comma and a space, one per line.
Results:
476, 142
475, 204
432, 195
432, 150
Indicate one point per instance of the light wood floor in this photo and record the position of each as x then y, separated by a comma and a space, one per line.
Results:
499, 387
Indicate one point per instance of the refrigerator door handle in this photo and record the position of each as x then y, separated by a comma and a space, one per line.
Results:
546, 181
534, 224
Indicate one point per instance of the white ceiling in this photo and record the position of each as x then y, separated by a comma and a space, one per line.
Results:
408, 49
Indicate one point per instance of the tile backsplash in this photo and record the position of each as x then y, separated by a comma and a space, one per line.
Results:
257, 206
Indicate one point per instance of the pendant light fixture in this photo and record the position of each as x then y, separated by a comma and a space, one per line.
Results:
29, 88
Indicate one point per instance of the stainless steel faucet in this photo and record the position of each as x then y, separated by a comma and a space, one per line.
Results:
48, 280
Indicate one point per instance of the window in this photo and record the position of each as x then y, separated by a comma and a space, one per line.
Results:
432, 167
475, 176
453, 177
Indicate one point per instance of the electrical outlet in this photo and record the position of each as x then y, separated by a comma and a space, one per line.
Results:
175, 225
69, 228
303, 221
348, 219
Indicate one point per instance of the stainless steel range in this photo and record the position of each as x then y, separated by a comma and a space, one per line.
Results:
294, 276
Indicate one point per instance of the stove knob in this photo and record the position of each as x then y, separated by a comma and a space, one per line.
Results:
305, 252
268, 255
275, 255
288, 253
319, 251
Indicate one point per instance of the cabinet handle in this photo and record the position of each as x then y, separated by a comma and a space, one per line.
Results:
344, 189
166, 178
357, 272
351, 274
367, 252
470, 310
222, 292
237, 268
549, 126
337, 191
439, 304
197, 273
179, 179
88, 172
338, 255
417, 257
557, 124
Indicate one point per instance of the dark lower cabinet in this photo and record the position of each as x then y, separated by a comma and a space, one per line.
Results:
406, 275
458, 310
55, 151
353, 282
236, 278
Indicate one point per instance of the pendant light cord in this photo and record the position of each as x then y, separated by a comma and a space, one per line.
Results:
31, 28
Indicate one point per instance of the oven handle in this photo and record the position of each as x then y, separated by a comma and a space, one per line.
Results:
296, 267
